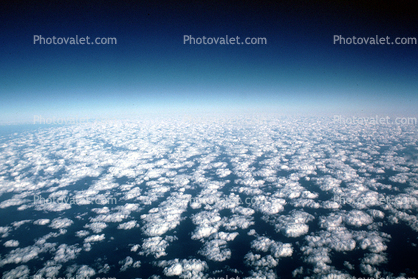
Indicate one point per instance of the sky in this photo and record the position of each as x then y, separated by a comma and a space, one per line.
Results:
151, 70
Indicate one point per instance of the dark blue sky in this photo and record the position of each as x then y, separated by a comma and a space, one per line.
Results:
300, 70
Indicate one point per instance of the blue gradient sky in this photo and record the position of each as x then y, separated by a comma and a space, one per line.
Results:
300, 70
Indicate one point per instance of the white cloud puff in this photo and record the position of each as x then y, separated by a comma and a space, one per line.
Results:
294, 224
216, 250
11, 243
155, 246
61, 223
167, 216
128, 225
94, 238
42, 222
20, 272
184, 269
